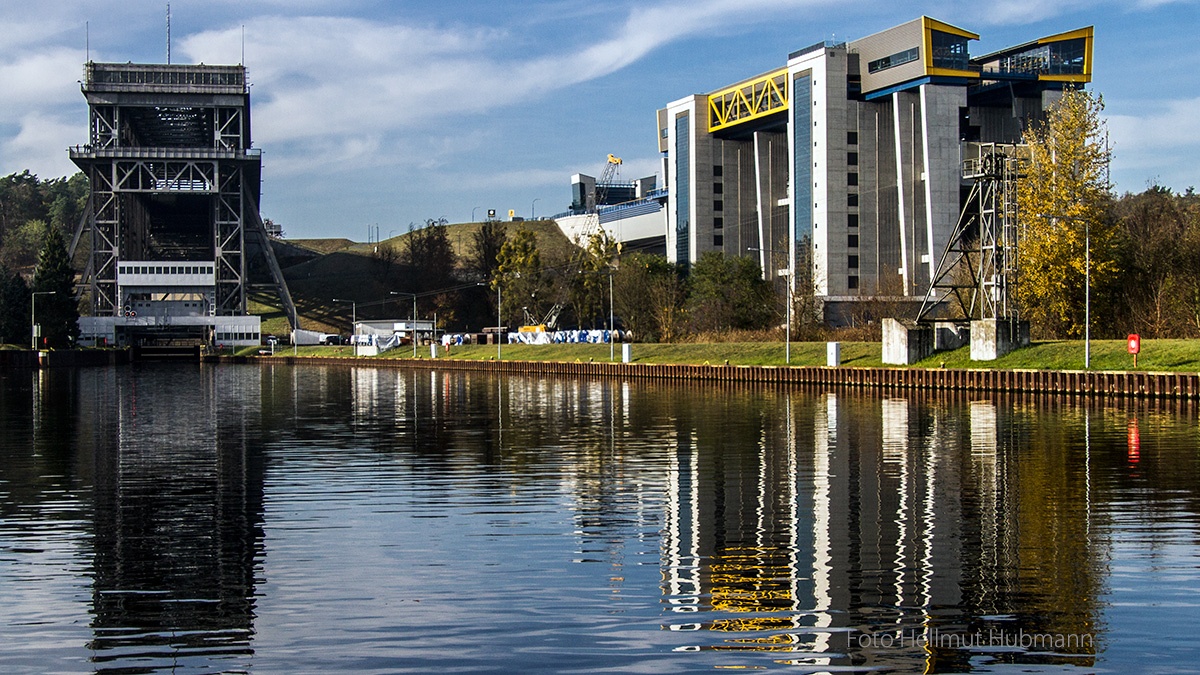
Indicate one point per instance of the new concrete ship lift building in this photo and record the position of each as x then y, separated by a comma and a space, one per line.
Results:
845, 163
172, 220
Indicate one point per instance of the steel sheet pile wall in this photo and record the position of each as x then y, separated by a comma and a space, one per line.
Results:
1109, 383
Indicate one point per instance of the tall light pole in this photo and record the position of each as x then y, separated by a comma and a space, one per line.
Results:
533, 209
787, 326
473, 210
1087, 284
498, 319
611, 327
353, 322
611, 320
33, 325
414, 319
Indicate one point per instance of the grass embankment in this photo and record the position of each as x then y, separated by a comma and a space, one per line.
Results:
1157, 355
362, 279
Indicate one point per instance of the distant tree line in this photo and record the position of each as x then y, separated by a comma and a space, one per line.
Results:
37, 217
1144, 249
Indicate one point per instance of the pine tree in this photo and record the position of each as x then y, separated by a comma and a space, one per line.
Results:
14, 308
1063, 200
57, 313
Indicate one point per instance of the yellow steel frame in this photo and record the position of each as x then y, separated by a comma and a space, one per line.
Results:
929, 25
1085, 33
750, 100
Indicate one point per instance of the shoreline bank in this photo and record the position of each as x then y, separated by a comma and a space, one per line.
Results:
1181, 385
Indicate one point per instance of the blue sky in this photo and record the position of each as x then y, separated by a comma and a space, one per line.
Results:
388, 113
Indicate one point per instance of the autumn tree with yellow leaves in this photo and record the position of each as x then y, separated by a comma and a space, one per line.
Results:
1064, 203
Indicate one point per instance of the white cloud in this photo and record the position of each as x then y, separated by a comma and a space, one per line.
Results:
40, 79
1156, 144
1164, 125
40, 94
41, 146
318, 78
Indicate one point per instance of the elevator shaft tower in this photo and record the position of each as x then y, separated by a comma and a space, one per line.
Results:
175, 187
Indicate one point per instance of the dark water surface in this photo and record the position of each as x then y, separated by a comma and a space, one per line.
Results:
194, 519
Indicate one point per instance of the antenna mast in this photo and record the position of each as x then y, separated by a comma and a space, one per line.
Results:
168, 33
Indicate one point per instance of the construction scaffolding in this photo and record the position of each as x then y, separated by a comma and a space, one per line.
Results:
979, 267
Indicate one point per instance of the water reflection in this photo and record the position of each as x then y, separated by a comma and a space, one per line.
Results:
281, 519
172, 529
177, 533
886, 533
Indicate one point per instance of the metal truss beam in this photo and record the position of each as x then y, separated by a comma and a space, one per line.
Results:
750, 100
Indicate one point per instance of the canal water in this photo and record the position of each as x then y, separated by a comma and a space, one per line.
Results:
272, 519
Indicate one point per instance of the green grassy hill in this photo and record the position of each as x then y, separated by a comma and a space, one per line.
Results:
349, 270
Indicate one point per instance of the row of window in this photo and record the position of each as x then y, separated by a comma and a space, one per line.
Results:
852, 201
237, 336
225, 77
165, 269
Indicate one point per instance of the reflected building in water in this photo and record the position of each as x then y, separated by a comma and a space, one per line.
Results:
887, 532
177, 535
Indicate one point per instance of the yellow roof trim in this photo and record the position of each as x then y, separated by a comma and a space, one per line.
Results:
947, 72
933, 24
1086, 77
1069, 35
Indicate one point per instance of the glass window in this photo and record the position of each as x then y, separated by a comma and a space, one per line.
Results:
852, 219
718, 205
852, 199
852, 158
717, 169
852, 137
718, 222
718, 240
949, 51
897, 59
852, 179
852, 240
718, 188
852, 262
852, 283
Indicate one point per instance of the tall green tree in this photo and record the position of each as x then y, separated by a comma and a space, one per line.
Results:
431, 262
521, 278
728, 293
1160, 263
1063, 204
14, 308
589, 288
648, 293
485, 249
23, 242
58, 314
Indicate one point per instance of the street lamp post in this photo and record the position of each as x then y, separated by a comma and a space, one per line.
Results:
1087, 284
33, 325
533, 209
787, 325
611, 327
611, 315
353, 322
498, 319
414, 319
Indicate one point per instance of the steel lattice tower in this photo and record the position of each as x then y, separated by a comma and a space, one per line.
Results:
175, 186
